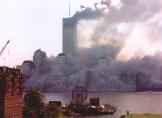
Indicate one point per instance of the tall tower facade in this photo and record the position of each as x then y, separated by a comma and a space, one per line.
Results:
69, 36
11, 93
70, 28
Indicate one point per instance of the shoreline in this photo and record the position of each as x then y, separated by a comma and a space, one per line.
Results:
146, 115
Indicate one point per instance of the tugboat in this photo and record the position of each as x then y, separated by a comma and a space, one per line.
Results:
79, 95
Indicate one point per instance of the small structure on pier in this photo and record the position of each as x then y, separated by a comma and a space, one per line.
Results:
79, 106
79, 94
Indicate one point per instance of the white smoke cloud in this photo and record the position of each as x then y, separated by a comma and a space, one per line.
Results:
135, 25
119, 50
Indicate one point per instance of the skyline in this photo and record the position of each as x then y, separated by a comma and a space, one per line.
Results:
118, 46
33, 25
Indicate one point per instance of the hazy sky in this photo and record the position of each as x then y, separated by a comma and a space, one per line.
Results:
33, 24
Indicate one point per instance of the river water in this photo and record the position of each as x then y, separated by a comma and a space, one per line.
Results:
140, 102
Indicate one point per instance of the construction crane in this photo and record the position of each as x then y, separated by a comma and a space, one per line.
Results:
2, 50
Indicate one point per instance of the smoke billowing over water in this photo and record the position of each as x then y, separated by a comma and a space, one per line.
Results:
119, 47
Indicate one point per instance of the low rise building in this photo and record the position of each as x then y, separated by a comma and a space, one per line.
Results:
11, 93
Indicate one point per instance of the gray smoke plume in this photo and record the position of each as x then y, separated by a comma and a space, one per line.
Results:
119, 51
65, 72
88, 13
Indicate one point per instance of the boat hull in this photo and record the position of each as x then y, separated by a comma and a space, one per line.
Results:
94, 111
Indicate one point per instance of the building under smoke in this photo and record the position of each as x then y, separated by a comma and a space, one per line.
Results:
116, 51
69, 35
70, 29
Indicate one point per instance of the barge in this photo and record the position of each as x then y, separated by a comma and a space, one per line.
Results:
79, 106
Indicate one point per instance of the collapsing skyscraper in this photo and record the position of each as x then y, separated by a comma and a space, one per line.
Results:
69, 35
70, 29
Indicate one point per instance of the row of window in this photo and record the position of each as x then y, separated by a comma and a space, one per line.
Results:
13, 115
8, 96
11, 95
10, 71
12, 106
13, 111
13, 101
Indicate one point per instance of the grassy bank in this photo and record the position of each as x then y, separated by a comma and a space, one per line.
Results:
144, 116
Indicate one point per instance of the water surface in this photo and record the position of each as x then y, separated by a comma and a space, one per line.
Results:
140, 102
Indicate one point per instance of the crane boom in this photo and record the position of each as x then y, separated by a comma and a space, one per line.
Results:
2, 50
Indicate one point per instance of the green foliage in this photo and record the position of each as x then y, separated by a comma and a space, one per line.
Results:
34, 99
34, 105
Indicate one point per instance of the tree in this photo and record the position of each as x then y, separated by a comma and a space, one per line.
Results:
34, 99
34, 104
